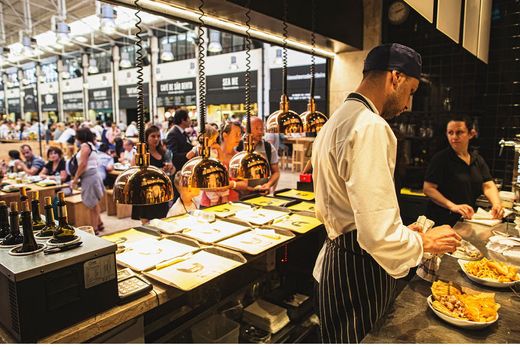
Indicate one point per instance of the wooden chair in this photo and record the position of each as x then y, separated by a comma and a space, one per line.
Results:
298, 156
113, 208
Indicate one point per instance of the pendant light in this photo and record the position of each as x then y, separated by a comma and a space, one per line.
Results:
312, 120
284, 120
203, 172
142, 184
248, 165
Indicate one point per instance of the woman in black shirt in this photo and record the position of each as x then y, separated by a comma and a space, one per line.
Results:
455, 178
55, 166
162, 159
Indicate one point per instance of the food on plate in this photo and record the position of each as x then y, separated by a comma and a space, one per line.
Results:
467, 251
494, 270
466, 304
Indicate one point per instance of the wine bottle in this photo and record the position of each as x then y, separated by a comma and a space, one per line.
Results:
4, 220
50, 225
65, 231
14, 237
23, 194
29, 242
37, 221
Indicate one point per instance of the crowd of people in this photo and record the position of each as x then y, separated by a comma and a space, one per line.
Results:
101, 148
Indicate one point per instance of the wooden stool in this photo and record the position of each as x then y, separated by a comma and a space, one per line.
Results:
114, 209
283, 154
78, 214
298, 156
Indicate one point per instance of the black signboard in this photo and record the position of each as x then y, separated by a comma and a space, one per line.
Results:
128, 96
230, 88
2, 103
73, 101
175, 93
298, 88
100, 99
30, 101
50, 102
13, 105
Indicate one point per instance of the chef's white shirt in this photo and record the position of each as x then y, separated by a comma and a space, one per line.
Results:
353, 160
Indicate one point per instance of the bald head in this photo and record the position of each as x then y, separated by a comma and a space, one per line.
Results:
257, 129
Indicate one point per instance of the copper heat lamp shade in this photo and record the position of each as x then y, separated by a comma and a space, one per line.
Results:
312, 120
284, 120
249, 165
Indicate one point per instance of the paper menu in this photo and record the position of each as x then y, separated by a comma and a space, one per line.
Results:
129, 235
145, 254
297, 194
174, 225
213, 232
302, 206
198, 269
259, 216
226, 210
267, 201
256, 241
298, 223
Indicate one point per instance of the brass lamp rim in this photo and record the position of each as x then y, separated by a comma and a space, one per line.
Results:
204, 173
249, 165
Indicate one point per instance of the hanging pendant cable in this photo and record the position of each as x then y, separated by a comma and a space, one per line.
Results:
140, 80
313, 42
248, 68
284, 56
202, 73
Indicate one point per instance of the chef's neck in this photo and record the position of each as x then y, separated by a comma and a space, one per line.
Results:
372, 91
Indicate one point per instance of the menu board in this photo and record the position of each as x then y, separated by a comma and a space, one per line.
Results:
297, 194
298, 223
259, 216
213, 232
303, 206
256, 241
100, 98
228, 209
129, 235
267, 201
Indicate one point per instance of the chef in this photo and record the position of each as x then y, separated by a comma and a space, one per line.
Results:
368, 248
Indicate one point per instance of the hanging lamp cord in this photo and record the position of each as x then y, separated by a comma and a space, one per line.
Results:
313, 42
202, 72
248, 68
140, 80
284, 56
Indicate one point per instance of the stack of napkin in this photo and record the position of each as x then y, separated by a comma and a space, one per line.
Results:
508, 247
266, 316
484, 217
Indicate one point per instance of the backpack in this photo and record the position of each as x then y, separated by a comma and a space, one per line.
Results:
73, 163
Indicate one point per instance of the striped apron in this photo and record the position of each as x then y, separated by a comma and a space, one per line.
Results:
354, 291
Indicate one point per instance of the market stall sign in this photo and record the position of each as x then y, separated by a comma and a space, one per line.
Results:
128, 96
174, 93
2, 101
30, 101
298, 86
100, 99
13, 104
230, 88
50, 102
73, 101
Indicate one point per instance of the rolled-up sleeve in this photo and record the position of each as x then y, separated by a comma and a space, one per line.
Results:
366, 163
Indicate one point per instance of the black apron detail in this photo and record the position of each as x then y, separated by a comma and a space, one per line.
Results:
354, 291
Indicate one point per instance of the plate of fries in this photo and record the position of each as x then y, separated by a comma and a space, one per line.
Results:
464, 308
490, 273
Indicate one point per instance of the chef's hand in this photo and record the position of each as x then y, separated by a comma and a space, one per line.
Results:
263, 189
415, 227
497, 211
440, 240
465, 210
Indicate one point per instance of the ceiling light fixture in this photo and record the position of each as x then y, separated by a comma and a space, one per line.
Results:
284, 120
247, 164
203, 172
166, 54
107, 15
125, 62
142, 184
92, 66
214, 41
312, 120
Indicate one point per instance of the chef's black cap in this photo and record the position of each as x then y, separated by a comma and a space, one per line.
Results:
394, 56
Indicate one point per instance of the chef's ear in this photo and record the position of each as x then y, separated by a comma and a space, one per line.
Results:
473, 133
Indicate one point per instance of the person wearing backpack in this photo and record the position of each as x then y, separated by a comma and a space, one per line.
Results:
92, 189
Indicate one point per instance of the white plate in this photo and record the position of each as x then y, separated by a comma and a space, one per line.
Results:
461, 323
484, 281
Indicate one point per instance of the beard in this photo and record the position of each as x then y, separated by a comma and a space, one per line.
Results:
391, 106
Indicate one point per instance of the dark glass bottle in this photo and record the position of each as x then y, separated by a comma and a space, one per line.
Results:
4, 220
37, 221
14, 237
29, 242
65, 232
50, 226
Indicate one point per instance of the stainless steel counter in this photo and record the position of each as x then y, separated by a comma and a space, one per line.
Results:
410, 320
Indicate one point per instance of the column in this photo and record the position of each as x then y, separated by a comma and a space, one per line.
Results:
61, 116
115, 82
154, 45
84, 73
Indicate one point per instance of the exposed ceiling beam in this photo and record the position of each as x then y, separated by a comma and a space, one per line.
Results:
20, 17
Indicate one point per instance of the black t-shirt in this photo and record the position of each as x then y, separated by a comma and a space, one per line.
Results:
457, 181
59, 168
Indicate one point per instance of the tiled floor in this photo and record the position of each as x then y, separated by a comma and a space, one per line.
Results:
288, 179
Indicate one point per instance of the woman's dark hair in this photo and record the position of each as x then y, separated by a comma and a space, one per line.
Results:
103, 148
179, 116
119, 145
84, 135
150, 130
56, 150
461, 118
14, 153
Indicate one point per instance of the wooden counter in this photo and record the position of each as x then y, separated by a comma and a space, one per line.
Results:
410, 320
